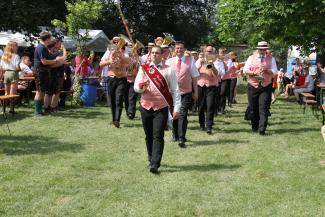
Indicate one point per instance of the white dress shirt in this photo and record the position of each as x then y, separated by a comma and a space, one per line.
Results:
106, 57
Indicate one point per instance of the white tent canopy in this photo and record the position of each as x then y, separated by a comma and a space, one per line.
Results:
98, 41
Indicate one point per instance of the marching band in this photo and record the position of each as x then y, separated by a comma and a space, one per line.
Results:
171, 79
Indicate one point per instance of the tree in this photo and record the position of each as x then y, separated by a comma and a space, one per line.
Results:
285, 22
188, 20
27, 15
81, 15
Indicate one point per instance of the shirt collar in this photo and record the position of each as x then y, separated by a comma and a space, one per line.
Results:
158, 65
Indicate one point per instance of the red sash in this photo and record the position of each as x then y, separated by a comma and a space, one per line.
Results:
159, 82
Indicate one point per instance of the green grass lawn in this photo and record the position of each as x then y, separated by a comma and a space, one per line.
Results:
75, 163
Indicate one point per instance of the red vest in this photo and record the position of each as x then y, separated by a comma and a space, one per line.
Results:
255, 64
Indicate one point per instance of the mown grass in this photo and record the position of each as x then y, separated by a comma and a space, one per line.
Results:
75, 163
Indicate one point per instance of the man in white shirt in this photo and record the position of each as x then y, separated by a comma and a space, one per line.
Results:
260, 69
187, 75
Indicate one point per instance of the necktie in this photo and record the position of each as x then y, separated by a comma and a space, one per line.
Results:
179, 64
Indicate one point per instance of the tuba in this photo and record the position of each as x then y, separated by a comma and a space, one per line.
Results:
118, 58
137, 46
169, 39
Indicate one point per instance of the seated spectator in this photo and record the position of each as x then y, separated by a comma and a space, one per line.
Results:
290, 85
25, 71
308, 86
321, 73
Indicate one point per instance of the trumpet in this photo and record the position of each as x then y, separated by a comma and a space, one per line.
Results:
209, 60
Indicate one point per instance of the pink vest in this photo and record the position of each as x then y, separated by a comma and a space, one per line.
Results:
151, 98
229, 74
184, 76
206, 78
256, 61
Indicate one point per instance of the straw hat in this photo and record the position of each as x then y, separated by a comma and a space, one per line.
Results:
262, 45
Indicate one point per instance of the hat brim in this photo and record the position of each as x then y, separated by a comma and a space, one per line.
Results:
262, 48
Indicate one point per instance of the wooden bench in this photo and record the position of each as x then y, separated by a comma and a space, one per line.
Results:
309, 99
4, 99
308, 96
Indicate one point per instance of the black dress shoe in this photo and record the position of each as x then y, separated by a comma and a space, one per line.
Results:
181, 144
174, 138
153, 170
209, 131
130, 116
116, 124
262, 133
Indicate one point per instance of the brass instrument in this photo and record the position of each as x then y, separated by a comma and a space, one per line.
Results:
208, 59
169, 39
138, 45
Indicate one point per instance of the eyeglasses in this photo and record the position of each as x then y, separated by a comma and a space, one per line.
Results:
115, 42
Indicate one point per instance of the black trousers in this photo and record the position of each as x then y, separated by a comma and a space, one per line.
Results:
207, 103
154, 123
232, 88
130, 99
259, 100
227, 91
217, 99
180, 124
224, 92
117, 90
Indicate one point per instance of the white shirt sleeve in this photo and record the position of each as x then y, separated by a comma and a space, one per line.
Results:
17, 60
194, 70
198, 64
220, 67
173, 86
106, 55
138, 80
247, 64
274, 67
230, 64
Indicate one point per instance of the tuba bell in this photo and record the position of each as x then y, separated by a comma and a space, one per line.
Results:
169, 39
138, 45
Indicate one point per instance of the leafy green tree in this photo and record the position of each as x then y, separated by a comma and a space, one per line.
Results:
81, 15
188, 20
285, 22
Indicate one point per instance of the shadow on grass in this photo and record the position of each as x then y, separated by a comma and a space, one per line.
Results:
78, 114
24, 145
199, 168
17, 117
218, 142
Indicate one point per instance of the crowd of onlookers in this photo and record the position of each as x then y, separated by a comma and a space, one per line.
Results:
302, 79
